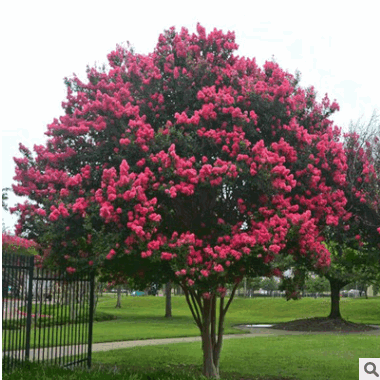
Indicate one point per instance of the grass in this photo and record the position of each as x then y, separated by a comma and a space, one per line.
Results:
143, 317
305, 357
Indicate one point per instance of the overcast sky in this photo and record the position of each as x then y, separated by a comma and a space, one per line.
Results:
334, 44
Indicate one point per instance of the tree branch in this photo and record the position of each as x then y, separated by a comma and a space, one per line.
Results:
198, 311
199, 300
195, 316
231, 298
213, 320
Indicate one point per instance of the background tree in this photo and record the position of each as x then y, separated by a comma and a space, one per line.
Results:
316, 284
253, 284
269, 284
354, 243
118, 293
189, 164
168, 299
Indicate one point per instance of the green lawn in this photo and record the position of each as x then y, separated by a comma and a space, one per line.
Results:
306, 357
143, 317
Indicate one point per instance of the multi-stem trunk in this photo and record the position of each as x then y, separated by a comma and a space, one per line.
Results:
335, 286
205, 313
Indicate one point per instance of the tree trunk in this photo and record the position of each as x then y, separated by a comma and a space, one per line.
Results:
204, 311
335, 287
118, 303
210, 349
168, 300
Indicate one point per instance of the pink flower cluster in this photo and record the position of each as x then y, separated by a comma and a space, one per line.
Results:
12, 240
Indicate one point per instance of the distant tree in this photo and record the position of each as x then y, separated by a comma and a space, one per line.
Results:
376, 288
168, 299
317, 284
249, 285
354, 243
254, 283
118, 293
269, 284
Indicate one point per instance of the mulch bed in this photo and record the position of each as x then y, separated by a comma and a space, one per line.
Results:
322, 325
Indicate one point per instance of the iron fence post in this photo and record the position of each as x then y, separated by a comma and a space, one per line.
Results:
91, 318
29, 308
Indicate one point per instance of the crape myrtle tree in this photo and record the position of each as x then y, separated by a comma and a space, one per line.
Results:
191, 164
354, 244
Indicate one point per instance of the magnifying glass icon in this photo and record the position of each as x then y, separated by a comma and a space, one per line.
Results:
372, 371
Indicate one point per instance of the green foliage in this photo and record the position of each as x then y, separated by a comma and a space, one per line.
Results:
33, 371
269, 284
57, 319
316, 284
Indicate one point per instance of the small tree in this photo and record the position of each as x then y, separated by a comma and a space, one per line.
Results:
189, 164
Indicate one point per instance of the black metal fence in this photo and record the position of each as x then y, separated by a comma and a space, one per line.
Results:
46, 316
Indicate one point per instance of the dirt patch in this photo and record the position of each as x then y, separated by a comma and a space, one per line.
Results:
323, 325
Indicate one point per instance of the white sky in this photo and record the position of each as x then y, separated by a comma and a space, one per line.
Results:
334, 44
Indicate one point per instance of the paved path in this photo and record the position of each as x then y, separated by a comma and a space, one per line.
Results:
53, 352
254, 332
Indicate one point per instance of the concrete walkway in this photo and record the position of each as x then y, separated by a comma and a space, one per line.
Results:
253, 332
